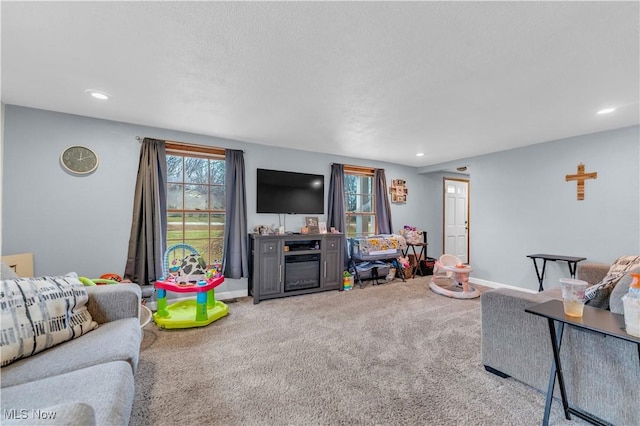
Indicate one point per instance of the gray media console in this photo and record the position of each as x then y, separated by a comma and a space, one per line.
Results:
288, 265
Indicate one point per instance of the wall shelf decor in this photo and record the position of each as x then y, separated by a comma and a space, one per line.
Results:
398, 191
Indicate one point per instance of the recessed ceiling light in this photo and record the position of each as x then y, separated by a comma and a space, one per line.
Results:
606, 111
98, 95
420, 154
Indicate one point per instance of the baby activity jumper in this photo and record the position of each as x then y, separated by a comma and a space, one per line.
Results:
190, 277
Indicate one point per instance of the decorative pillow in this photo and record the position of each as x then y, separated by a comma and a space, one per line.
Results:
615, 300
600, 298
598, 294
38, 313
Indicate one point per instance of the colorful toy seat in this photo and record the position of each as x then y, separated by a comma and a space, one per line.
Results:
188, 313
451, 278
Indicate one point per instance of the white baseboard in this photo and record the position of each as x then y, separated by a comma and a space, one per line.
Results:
494, 284
228, 295
225, 295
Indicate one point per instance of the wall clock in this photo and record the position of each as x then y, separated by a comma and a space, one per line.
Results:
79, 160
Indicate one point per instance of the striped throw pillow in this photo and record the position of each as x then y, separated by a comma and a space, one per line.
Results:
38, 313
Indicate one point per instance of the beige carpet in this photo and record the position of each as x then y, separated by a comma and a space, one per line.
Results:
391, 354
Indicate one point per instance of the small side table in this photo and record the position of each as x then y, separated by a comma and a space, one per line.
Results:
593, 319
423, 254
571, 261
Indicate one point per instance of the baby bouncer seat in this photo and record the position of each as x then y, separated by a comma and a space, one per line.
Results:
188, 275
451, 278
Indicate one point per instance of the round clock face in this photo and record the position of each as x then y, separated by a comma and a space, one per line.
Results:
79, 160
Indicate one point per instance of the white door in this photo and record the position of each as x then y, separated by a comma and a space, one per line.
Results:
456, 218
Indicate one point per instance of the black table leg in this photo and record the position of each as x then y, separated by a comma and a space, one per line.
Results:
355, 272
572, 268
556, 371
540, 277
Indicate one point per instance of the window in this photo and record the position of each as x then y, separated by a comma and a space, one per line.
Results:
196, 199
359, 201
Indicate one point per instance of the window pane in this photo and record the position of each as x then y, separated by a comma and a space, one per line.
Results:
217, 225
366, 203
218, 200
217, 237
217, 172
196, 225
366, 225
196, 170
359, 203
174, 196
174, 168
350, 183
195, 197
197, 232
352, 226
364, 185
360, 225
363, 203
175, 226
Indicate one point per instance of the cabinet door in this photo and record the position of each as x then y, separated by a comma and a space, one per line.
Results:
270, 267
332, 263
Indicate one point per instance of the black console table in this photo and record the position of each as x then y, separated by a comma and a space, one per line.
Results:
593, 319
571, 261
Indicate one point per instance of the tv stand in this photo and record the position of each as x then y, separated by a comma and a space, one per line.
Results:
294, 264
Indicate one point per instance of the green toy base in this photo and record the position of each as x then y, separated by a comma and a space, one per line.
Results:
182, 314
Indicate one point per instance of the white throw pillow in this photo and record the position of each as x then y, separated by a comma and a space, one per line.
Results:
38, 313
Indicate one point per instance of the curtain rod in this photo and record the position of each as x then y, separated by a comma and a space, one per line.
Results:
139, 139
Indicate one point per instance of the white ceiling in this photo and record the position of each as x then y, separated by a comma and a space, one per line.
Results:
374, 80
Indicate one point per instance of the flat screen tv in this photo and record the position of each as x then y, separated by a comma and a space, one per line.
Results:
289, 192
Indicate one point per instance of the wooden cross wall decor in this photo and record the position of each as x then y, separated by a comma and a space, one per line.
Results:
580, 177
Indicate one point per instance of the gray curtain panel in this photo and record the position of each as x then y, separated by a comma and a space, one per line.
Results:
235, 262
335, 198
383, 208
335, 206
149, 222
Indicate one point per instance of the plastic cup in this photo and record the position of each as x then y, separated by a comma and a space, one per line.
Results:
573, 296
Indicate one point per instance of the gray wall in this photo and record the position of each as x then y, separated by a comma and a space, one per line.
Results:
521, 204
519, 200
82, 224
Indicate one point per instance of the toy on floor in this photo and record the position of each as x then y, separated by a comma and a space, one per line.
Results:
108, 278
96, 281
451, 278
190, 277
111, 276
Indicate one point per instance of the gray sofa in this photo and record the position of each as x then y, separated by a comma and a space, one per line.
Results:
87, 380
602, 374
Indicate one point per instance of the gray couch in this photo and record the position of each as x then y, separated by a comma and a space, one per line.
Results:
87, 380
602, 374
